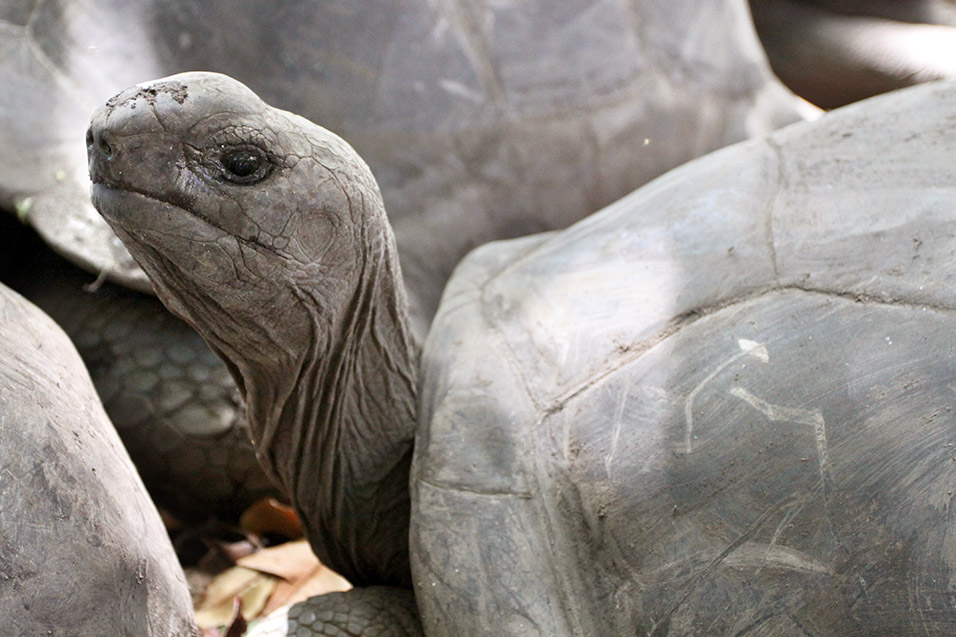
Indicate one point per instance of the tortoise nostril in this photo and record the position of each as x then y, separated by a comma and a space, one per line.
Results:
96, 140
105, 147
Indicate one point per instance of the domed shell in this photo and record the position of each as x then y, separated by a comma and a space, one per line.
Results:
456, 106
723, 403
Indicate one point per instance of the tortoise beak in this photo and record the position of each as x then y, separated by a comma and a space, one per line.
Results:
99, 151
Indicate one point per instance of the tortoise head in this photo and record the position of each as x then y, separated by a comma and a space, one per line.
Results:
235, 210
267, 234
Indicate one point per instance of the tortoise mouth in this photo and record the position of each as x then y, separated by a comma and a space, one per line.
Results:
119, 202
103, 181
134, 209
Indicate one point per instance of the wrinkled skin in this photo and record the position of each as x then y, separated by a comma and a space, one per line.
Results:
303, 303
834, 52
703, 410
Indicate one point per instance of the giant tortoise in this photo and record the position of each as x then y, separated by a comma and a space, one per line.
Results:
482, 120
82, 548
722, 405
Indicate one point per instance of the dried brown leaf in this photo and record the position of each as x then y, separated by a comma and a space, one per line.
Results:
290, 561
268, 515
238, 626
234, 551
319, 581
302, 574
252, 587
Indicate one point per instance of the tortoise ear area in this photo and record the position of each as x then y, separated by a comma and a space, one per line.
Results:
316, 238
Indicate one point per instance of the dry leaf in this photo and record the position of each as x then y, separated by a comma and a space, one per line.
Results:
252, 587
234, 551
170, 521
319, 581
238, 626
268, 515
302, 574
290, 561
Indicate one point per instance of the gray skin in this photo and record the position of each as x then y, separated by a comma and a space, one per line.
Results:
82, 547
296, 303
834, 52
722, 405
474, 132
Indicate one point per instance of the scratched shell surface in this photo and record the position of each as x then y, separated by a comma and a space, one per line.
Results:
721, 405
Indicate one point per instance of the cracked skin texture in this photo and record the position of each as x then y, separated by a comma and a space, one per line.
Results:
720, 405
368, 612
292, 301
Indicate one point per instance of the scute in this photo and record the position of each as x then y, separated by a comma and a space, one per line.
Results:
742, 385
472, 130
815, 206
740, 485
417, 94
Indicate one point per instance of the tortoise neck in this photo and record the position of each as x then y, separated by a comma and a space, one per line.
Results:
339, 440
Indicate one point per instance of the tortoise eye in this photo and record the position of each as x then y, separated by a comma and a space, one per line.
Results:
246, 165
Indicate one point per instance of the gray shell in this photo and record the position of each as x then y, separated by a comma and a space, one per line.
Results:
471, 127
82, 548
173, 402
722, 405
473, 130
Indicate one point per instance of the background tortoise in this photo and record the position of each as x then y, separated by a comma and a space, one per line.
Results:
83, 549
720, 405
473, 129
